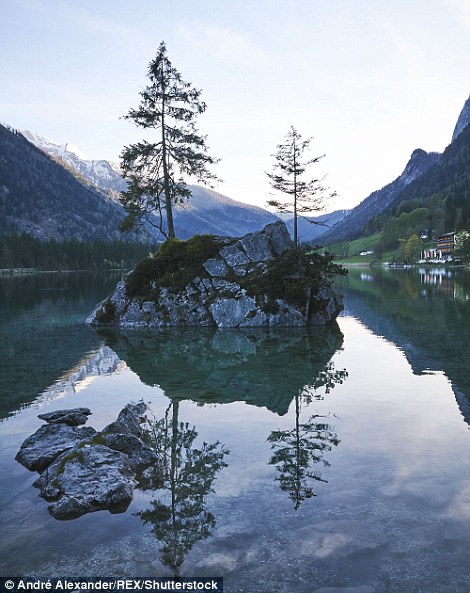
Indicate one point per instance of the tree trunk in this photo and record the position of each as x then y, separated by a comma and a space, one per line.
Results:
168, 202
166, 180
297, 452
296, 236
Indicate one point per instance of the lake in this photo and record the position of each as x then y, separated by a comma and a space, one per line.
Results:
329, 459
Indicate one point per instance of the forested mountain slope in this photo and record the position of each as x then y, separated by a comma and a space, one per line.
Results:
427, 176
44, 199
352, 225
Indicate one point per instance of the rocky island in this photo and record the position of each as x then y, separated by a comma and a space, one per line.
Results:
258, 280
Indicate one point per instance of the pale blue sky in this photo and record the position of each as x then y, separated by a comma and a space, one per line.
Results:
371, 80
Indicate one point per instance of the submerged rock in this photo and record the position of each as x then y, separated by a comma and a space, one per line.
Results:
220, 291
84, 470
73, 417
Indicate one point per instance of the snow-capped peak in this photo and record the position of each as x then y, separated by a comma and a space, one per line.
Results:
76, 151
104, 174
52, 147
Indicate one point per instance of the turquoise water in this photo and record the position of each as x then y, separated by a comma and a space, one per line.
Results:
335, 457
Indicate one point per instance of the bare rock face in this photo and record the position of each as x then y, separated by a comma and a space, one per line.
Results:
463, 120
216, 296
83, 470
128, 421
257, 247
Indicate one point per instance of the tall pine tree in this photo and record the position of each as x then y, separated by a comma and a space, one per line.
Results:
155, 169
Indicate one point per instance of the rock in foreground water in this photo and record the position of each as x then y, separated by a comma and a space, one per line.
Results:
88, 478
73, 417
40, 449
84, 470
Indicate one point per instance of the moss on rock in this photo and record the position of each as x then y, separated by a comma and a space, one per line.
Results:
174, 266
291, 277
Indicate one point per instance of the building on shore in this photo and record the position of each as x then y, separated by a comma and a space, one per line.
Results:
443, 250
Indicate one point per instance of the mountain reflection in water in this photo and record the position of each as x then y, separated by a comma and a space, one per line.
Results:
394, 514
425, 312
42, 334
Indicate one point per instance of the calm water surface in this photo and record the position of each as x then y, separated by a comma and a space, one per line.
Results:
335, 459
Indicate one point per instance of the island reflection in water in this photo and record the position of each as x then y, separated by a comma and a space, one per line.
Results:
265, 368
261, 367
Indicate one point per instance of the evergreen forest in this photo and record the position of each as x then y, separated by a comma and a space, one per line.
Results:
24, 251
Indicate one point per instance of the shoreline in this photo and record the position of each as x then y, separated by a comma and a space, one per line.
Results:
8, 272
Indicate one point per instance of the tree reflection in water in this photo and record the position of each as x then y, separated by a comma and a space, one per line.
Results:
184, 475
297, 450
326, 378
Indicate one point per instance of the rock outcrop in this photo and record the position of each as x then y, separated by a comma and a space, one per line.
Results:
216, 295
463, 120
83, 470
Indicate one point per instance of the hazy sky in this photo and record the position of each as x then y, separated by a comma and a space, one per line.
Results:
370, 80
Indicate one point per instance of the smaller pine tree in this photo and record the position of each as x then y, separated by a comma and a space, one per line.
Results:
288, 177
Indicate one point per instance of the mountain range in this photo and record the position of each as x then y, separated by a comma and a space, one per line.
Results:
424, 175
53, 191
49, 200
84, 202
351, 225
206, 212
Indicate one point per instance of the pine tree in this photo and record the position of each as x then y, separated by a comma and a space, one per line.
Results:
155, 169
306, 196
